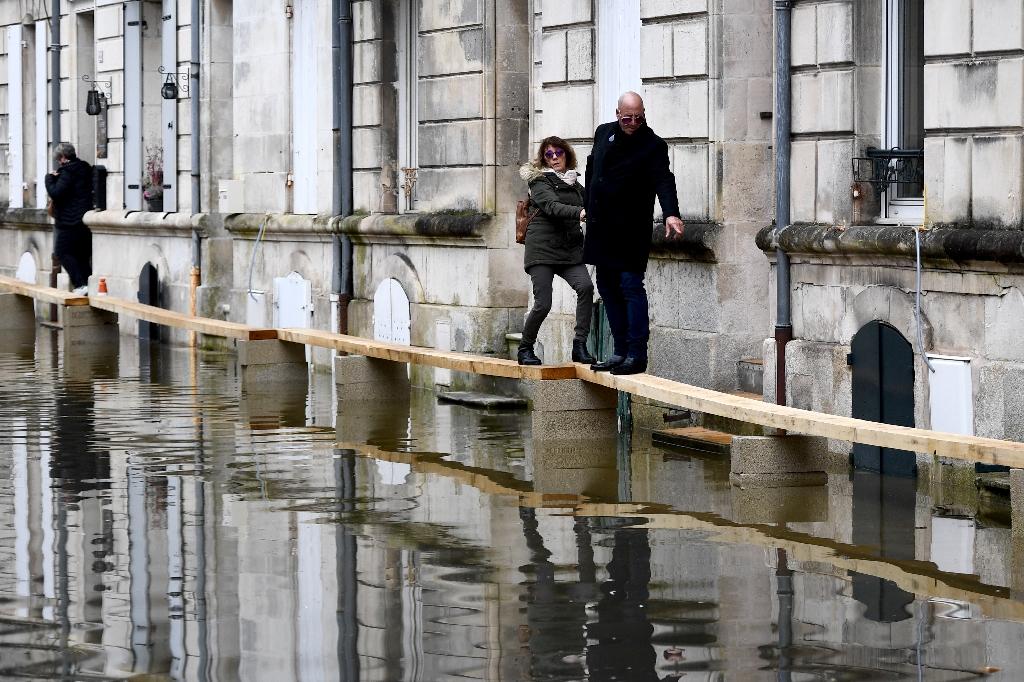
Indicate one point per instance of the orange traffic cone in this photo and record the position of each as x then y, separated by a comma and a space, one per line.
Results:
101, 288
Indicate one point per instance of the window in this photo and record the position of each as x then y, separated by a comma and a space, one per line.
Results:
903, 201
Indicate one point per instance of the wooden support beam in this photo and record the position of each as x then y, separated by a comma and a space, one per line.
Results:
170, 318
41, 293
953, 446
460, 362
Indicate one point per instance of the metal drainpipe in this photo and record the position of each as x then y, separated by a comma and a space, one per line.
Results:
55, 124
341, 196
195, 275
784, 321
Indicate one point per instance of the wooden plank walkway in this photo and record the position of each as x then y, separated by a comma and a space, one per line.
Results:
41, 293
461, 362
742, 408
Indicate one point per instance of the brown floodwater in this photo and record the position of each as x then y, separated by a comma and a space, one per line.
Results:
157, 523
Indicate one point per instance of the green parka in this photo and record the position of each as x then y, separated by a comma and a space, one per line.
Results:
554, 236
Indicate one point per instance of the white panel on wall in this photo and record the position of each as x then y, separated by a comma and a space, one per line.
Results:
950, 395
391, 314
618, 53
953, 544
304, 98
133, 105
42, 149
15, 118
293, 302
169, 107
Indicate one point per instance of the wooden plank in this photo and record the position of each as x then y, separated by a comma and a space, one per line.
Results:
170, 318
460, 362
953, 446
41, 293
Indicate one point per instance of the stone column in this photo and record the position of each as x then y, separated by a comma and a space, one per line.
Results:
87, 326
570, 409
360, 378
273, 364
17, 312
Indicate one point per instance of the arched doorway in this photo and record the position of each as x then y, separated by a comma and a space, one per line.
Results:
391, 313
149, 294
883, 391
26, 268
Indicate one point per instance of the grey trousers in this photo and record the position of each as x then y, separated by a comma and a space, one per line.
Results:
543, 277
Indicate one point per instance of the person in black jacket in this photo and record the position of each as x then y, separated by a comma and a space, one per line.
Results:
554, 244
628, 166
70, 190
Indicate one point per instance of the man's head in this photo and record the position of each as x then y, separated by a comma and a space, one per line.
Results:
630, 112
64, 151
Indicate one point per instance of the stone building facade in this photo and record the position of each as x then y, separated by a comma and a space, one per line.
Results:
938, 82
448, 100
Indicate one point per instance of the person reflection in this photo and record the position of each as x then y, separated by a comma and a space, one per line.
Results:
621, 647
77, 465
883, 518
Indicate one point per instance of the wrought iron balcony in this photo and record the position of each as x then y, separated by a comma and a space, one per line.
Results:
882, 168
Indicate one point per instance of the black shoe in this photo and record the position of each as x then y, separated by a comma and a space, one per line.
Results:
631, 365
611, 363
527, 356
581, 354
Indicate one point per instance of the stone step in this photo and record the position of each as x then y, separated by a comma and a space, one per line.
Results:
512, 344
694, 438
750, 375
482, 400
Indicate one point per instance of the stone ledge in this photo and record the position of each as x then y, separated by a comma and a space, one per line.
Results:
146, 223
941, 244
26, 218
468, 225
697, 243
279, 224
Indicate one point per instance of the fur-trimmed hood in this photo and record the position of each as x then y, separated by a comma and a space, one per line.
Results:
530, 172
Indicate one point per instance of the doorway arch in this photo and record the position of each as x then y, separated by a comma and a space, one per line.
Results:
27, 269
883, 391
392, 317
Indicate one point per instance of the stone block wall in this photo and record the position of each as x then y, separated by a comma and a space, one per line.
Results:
974, 115
705, 72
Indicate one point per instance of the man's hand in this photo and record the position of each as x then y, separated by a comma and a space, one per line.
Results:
674, 226
583, 216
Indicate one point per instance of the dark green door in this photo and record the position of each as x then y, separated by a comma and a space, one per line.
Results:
883, 391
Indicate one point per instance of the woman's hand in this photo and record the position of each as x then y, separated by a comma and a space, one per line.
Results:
583, 216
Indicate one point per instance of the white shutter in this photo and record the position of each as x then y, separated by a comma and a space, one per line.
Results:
15, 119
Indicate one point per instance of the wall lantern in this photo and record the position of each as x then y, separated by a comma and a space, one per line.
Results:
96, 99
174, 82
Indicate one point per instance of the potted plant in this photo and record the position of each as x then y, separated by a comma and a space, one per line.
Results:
153, 179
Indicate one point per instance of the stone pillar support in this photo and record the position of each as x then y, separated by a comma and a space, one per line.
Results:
271, 363
84, 325
570, 409
1017, 503
780, 461
361, 378
17, 312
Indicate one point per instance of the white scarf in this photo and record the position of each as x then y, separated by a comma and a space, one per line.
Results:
568, 177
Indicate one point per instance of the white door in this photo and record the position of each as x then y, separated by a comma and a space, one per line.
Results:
26, 269
391, 314
42, 149
618, 62
408, 108
304, 102
133, 106
950, 396
293, 302
15, 119
169, 107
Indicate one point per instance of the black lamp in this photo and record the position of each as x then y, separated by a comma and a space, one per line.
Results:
169, 89
95, 99
92, 103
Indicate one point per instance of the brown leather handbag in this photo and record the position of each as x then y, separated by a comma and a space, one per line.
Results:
523, 218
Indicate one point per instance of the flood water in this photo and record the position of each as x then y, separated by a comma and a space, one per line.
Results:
156, 523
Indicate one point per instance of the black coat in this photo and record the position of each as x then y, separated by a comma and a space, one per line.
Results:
71, 191
554, 236
624, 174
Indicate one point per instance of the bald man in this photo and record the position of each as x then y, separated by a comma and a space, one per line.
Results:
627, 168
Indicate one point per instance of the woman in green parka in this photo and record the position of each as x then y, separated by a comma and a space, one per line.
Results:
554, 244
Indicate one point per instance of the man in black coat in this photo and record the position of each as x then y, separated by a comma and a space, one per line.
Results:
626, 169
70, 190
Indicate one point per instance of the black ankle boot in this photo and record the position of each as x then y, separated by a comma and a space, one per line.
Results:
581, 354
527, 356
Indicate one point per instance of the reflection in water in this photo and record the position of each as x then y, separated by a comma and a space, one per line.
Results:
161, 524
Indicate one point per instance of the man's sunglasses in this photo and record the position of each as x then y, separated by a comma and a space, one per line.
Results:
639, 118
554, 153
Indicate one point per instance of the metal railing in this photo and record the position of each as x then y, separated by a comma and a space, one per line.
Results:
882, 168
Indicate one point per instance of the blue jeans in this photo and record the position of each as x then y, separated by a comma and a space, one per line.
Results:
625, 302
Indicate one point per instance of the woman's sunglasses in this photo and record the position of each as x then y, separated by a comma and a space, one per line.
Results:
554, 153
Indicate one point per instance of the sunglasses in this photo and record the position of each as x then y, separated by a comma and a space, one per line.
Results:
554, 153
639, 118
